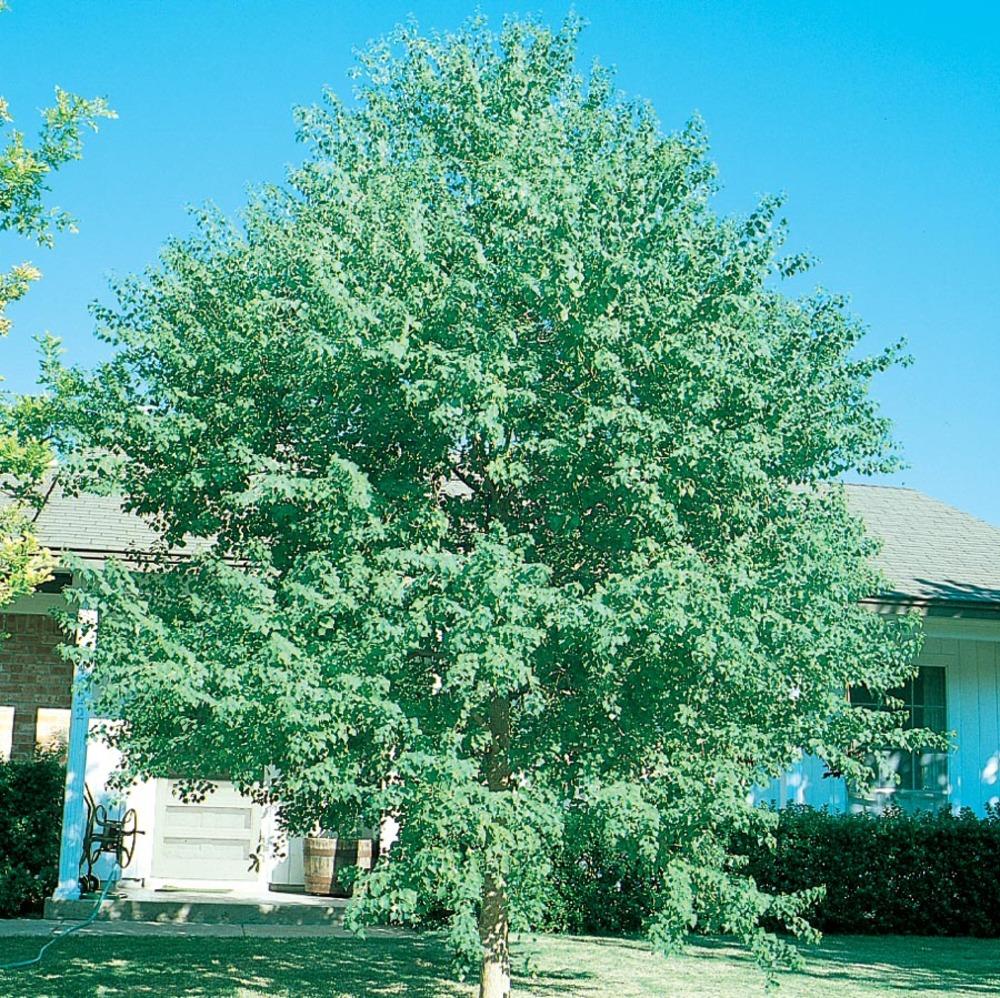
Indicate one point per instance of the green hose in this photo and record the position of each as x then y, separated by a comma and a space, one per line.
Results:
108, 884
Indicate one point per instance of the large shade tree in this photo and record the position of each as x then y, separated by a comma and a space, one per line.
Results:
26, 170
512, 457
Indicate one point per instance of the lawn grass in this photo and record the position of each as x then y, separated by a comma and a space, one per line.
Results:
842, 967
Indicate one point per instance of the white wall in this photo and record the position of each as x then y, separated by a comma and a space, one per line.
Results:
287, 871
101, 760
149, 799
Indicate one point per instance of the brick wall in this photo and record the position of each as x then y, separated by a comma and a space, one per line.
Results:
32, 674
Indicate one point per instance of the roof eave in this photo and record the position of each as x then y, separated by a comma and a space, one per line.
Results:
934, 606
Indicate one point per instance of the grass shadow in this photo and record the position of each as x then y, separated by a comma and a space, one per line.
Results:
909, 964
417, 966
327, 967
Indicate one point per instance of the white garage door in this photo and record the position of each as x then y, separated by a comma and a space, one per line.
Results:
212, 841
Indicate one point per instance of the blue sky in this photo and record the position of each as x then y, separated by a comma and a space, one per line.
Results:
880, 122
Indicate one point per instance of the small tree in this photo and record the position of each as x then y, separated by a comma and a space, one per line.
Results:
24, 175
513, 457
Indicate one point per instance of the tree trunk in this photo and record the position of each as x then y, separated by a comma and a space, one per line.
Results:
494, 929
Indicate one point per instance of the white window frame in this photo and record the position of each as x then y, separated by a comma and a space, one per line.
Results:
886, 788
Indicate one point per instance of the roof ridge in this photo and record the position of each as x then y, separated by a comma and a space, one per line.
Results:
880, 485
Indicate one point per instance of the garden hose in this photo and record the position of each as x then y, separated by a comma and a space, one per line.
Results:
108, 884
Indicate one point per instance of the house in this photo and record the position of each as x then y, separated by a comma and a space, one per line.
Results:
207, 845
946, 565
942, 562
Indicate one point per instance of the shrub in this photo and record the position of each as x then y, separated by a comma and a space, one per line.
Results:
926, 873
594, 888
31, 795
599, 892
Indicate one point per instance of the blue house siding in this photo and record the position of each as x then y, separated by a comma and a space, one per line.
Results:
974, 715
968, 649
804, 783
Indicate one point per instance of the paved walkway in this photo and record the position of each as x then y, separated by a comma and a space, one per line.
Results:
48, 927
133, 904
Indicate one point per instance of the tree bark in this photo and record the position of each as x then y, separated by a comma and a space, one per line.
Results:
494, 928
494, 982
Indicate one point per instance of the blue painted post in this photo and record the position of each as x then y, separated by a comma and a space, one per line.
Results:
74, 813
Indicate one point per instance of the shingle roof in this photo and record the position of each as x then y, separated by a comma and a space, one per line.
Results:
88, 524
96, 527
931, 551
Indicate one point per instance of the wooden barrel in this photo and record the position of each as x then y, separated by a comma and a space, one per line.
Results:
322, 858
319, 861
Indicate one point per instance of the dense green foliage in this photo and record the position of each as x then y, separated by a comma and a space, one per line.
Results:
923, 873
31, 798
594, 887
25, 171
928, 873
510, 456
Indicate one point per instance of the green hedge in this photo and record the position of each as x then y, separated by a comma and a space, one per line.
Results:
592, 889
928, 873
31, 794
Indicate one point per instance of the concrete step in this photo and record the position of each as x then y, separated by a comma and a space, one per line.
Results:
175, 908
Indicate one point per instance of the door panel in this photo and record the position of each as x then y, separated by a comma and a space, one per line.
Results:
213, 840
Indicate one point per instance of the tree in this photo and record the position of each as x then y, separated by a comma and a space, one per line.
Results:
24, 459
514, 459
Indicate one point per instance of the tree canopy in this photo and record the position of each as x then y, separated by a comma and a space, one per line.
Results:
25, 171
515, 462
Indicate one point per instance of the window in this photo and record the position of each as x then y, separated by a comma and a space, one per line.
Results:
926, 770
6, 731
56, 584
52, 728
